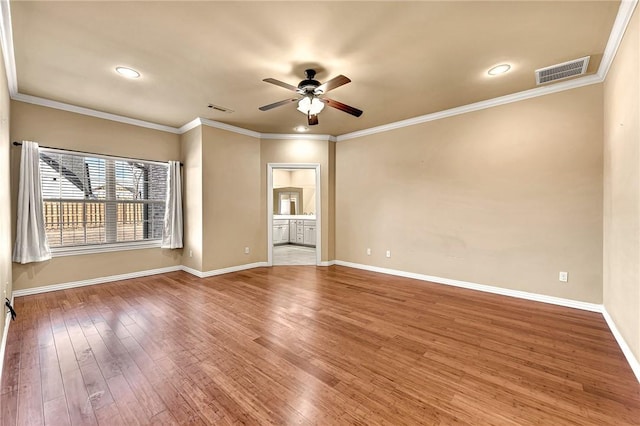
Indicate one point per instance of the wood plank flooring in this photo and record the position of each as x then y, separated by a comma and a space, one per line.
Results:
307, 345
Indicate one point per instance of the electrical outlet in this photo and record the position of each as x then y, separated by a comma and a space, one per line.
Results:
368, 252
388, 253
190, 253
564, 277
246, 250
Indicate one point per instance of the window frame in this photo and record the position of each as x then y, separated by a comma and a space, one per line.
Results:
106, 247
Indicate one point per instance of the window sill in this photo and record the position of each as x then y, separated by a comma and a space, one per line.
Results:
103, 248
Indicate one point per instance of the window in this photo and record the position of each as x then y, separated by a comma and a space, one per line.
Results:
91, 200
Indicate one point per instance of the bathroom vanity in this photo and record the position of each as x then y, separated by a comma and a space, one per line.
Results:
298, 229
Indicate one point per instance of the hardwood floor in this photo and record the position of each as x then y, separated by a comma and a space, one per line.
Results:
307, 345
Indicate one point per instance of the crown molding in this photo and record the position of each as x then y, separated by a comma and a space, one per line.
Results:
189, 126
625, 12
6, 41
621, 22
35, 100
235, 129
229, 127
490, 103
297, 136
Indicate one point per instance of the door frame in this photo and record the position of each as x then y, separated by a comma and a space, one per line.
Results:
301, 166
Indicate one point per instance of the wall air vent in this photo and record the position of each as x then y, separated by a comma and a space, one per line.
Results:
220, 108
562, 71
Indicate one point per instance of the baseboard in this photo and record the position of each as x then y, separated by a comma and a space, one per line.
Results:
111, 278
100, 280
593, 307
192, 271
228, 270
447, 281
3, 344
626, 350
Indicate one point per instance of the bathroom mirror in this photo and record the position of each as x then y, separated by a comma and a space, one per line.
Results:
287, 201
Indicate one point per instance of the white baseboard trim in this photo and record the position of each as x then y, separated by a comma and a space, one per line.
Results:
3, 344
192, 271
626, 350
593, 307
228, 270
111, 278
101, 280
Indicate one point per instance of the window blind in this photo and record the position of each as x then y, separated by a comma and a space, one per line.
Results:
94, 200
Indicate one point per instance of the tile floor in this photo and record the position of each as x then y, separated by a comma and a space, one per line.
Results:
289, 254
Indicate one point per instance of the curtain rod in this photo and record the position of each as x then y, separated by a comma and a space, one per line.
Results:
82, 152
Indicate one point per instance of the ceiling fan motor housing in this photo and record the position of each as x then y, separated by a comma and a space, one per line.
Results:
309, 83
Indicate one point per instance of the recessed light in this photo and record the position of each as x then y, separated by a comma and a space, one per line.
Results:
499, 69
301, 129
127, 72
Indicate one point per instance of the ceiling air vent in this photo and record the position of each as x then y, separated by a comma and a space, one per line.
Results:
220, 108
562, 71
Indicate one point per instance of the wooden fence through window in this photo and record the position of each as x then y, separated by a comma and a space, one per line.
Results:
69, 214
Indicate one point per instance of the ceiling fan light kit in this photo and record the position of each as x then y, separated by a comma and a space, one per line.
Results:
311, 104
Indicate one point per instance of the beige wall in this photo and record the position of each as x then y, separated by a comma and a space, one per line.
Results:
281, 178
232, 215
305, 179
61, 129
191, 157
301, 151
622, 188
6, 243
507, 196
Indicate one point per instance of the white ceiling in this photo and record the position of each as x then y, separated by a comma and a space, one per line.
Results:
405, 59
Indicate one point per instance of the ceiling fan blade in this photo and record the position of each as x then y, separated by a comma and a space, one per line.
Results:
342, 107
277, 104
331, 84
281, 84
313, 119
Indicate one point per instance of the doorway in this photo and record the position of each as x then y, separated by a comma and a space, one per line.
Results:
293, 214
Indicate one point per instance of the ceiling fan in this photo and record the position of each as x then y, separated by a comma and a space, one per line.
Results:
310, 103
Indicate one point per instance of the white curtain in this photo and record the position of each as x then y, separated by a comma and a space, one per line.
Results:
31, 240
172, 232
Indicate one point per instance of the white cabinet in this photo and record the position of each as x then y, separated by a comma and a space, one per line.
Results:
280, 231
309, 234
285, 234
277, 234
293, 230
300, 232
